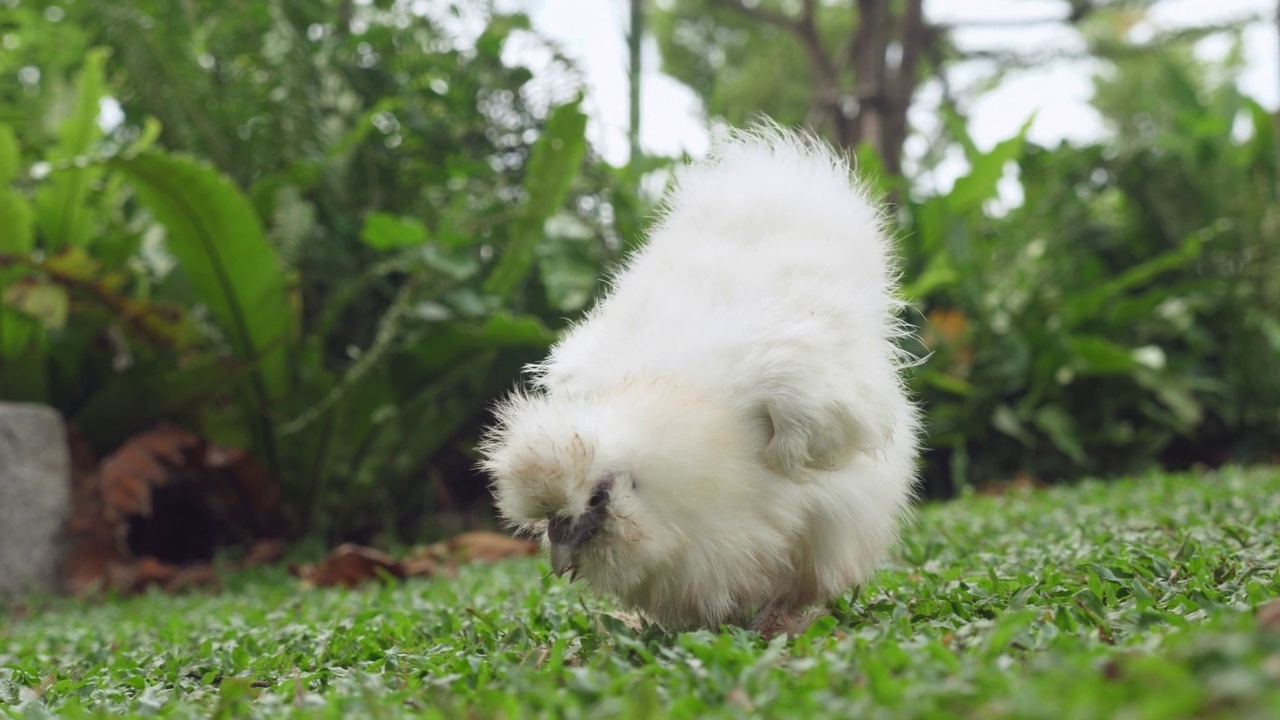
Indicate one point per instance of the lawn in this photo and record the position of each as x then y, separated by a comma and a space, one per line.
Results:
1135, 598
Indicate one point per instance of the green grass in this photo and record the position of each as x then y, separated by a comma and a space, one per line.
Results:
1127, 599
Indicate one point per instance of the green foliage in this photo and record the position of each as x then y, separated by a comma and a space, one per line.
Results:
332, 232
553, 163
1114, 321
218, 242
383, 231
1126, 599
383, 234
18, 237
742, 67
40, 53
62, 213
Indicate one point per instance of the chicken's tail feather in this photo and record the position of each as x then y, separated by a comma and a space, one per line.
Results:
764, 169
769, 181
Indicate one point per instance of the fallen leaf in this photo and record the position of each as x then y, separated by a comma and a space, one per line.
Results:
418, 566
490, 546
143, 463
154, 512
349, 565
144, 572
630, 619
192, 576
479, 546
352, 564
264, 552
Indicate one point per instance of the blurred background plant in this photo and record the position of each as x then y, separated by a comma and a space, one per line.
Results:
331, 232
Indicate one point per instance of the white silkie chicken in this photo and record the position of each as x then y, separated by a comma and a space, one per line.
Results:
726, 436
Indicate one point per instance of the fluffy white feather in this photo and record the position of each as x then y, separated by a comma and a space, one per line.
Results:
726, 437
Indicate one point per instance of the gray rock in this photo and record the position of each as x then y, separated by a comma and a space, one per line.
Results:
35, 496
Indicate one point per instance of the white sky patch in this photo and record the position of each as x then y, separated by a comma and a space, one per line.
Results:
594, 34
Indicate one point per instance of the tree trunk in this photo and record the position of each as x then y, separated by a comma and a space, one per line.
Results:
884, 53
635, 32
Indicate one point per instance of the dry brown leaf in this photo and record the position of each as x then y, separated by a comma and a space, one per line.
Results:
154, 512
479, 546
148, 570
489, 546
349, 565
264, 552
352, 564
630, 619
192, 576
142, 463
418, 566
137, 575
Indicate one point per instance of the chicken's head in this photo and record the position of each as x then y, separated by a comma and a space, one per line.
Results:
618, 484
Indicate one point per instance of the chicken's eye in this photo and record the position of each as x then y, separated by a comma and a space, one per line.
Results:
600, 495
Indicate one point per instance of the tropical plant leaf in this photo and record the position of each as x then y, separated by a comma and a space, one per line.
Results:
384, 231
1006, 421
1099, 356
1263, 144
567, 268
10, 159
1057, 423
979, 185
555, 161
62, 214
937, 274
1088, 304
17, 236
220, 247
1173, 393
504, 328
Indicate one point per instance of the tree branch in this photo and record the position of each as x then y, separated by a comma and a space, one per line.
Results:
806, 29
870, 44
914, 39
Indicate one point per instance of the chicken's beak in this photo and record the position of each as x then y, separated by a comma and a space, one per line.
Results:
561, 558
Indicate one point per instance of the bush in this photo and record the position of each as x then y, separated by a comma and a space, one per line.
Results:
1126, 314
332, 232
376, 243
